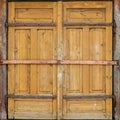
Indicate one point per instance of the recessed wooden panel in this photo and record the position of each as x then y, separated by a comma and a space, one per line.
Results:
87, 109
85, 106
27, 12
86, 43
97, 52
80, 15
30, 43
29, 105
73, 50
24, 109
31, 14
90, 12
46, 41
20, 46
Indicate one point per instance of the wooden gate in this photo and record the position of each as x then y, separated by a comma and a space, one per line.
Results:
60, 60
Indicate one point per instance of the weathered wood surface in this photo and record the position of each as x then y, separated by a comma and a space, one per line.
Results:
116, 50
60, 44
3, 55
117, 56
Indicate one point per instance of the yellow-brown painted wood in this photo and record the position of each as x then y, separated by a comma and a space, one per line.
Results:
60, 43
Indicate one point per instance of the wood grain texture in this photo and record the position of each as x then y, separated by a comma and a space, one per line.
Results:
87, 43
60, 43
32, 43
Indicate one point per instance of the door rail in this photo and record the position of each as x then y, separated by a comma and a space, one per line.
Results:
87, 24
32, 96
90, 97
30, 24
61, 62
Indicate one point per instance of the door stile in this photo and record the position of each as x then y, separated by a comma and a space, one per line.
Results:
33, 74
60, 68
86, 56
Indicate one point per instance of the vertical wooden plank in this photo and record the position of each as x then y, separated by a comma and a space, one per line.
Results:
97, 52
55, 12
16, 67
54, 57
49, 55
73, 38
109, 11
45, 42
10, 57
86, 56
11, 49
75, 48
109, 57
102, 57
74, 69
54, 49
96, 56
11, 11
24, 53
60, 67
80, 45
41, 69
66, 67
54, 71
109, 71
33, 68
109, 108
10, 108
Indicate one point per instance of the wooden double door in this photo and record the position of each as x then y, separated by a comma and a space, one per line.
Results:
52, 32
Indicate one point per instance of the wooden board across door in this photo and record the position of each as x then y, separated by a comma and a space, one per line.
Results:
49, 91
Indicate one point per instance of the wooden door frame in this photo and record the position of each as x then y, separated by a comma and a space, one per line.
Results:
3, 55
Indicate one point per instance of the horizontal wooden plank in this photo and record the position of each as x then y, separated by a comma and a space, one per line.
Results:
29, 24
32, 96
89, 97
87, 24
83, 62
48, 0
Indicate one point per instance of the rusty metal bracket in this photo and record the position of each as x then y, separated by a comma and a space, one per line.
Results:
30, 24
60, 62
90, 97
32, 96
87, 24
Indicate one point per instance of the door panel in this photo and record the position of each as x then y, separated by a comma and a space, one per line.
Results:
86, 12
72, 30
87, 109
87, 79
73, 39
32, 43
91, 47
27, 12
31, 109
87, 43
29, 43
